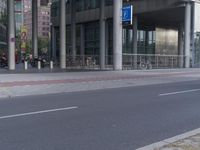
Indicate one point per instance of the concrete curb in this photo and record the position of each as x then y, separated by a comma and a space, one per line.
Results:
156, 146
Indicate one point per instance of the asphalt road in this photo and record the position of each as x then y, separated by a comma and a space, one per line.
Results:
111, 119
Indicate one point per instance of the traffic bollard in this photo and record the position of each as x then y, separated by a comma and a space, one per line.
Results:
51, 64
39, 65
25, 65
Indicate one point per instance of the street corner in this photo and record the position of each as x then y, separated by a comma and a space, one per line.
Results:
190, 143
186, 141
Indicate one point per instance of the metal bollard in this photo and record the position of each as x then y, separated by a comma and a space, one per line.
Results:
39, 65
25, 65
51, 64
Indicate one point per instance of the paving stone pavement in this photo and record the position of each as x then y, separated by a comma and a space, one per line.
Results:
12, 85
186, 141
190, 143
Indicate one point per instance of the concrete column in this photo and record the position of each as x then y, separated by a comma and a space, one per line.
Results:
102, 35
62, 34
187, 34
35, 28
180, 46
117, 34
73, 27
135, 51
11, 35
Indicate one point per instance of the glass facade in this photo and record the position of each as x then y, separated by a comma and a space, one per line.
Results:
145, 41
109, 39
92, 39
81, 5
87, 4
154, 37
146, 38
18, 14
3, 44
90, 4
196, 34
3, 22
127, 40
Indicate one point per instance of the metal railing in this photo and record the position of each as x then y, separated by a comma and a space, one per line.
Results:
150, 61
91, 62
83, 62
130, 62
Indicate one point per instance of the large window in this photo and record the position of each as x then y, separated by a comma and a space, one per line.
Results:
81, 5
92, 39
87, 4
197, 34
127, 40
145, 41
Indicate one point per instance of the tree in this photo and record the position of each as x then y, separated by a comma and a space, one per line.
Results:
43, 44
3, 18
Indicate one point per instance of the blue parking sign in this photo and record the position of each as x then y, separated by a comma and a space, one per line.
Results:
127, 15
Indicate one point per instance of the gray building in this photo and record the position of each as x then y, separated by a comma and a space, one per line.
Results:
163, 34
43, 22
164, 27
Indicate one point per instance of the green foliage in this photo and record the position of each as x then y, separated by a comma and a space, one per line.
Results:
43, 45
3, 18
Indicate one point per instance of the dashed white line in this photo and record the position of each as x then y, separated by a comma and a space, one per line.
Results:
179, 92
37, 112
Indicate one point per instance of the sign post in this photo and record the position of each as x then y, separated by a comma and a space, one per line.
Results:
127, 15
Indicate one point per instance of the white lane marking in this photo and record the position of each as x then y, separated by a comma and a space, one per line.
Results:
172, 140
179, 92
38, 112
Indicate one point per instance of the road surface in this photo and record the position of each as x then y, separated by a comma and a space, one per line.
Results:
111, 119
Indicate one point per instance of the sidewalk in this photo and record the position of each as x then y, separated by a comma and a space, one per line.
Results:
186, 141
12, 85
190, 143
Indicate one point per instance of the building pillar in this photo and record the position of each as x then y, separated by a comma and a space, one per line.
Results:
11, 35
62, 34
73, 27
187, 34
135, 51
102, 35
117, 34
35, 28
180, 46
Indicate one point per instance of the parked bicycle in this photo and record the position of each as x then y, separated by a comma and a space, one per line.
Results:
145, 64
